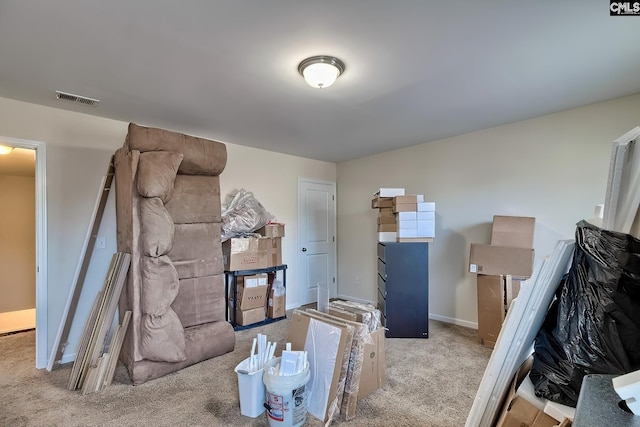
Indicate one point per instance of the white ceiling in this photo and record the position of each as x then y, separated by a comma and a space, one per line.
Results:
417, 70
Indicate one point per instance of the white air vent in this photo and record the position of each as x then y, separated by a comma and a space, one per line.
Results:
77, 99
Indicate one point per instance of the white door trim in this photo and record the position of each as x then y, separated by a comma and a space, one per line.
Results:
333, 287
41, 244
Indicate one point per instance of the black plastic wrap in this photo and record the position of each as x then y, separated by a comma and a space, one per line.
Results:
593, 325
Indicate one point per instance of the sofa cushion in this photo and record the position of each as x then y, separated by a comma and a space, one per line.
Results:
197, 250
195, 198
200, 300
156, 173
162, 338
201, 156
159, 284
157, 230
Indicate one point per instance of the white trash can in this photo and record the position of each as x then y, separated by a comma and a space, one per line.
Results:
250, 389
286, 397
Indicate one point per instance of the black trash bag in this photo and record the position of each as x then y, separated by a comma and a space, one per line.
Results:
593, 324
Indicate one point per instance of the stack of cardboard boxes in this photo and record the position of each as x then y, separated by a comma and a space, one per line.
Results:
257, 296
252, 294
254, 252
501, 267
404, 218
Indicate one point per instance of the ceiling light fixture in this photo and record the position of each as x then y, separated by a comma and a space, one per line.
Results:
5, 149
321, 71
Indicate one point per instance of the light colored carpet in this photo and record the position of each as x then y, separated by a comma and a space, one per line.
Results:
430, 382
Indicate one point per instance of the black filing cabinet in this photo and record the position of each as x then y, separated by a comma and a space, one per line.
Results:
403, 288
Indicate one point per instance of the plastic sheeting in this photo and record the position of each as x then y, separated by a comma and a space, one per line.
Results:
242, 213
593, 325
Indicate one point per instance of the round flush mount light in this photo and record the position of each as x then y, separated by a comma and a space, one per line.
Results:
321, 71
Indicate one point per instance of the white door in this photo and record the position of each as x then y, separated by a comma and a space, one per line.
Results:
317, 241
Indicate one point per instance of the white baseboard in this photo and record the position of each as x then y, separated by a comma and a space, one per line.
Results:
66, 358
451, 320
360, 300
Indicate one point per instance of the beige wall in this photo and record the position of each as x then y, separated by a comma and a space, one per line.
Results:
553, 168
17, 243
78, 150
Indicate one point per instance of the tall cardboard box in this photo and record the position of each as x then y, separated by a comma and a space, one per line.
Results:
495, 293
373, 365
491, 313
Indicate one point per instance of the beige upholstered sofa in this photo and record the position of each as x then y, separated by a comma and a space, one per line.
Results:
168, 219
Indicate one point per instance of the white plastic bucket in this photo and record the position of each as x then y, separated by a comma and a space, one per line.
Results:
250, 389
286, 397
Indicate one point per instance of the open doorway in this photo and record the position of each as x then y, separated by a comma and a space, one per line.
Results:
17, 239
23, 283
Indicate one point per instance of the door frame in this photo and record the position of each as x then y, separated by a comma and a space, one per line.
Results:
41, 243
333, 287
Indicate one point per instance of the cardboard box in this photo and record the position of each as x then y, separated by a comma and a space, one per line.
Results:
491, 310
405, 207
517, 411
387, 219
343, 314
321, 341
274, 251
274, 229
381, 202
253, 280
385, 211
495, 293
407, 232
521, 413
389, 192
409, 224
496, 260
353, 360
387, 236
426, 207
250, 298
426, 228
413, 198
426, 215
386, 227
244, 253
373, 365
248, 317
406, 216
276, 306
513, 231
